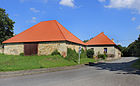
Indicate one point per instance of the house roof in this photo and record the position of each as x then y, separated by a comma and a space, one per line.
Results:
45, 31
100, 39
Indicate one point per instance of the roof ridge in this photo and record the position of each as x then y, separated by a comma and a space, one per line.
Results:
22, 32
61, 26
93, 37
60, 29
108, 38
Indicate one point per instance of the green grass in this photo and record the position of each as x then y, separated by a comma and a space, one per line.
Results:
13, 62
136, 64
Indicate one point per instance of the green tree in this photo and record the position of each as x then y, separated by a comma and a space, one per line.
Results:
6, 26
90, 53
85, 41
122, 49
133, 49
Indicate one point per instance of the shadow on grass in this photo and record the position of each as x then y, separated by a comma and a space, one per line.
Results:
123, 67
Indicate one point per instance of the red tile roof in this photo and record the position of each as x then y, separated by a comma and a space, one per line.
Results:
100, 39
45, 31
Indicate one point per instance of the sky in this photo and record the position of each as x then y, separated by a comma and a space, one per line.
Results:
118, 19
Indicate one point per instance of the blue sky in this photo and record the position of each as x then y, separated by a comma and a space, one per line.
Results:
118, 19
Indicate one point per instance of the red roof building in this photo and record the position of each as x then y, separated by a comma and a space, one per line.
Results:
100, 39
48, 36
101, 44
42, 39
45, 31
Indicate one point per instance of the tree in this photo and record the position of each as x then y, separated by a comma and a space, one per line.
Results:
85, 41
122, 50
90, 53
6, 26
133, 49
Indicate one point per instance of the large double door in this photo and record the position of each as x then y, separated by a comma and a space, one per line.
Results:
30, 49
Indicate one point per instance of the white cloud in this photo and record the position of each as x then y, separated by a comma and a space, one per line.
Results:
138, 27
34, 10
33, 20
133, 18
101, 0
69, 3
129, 4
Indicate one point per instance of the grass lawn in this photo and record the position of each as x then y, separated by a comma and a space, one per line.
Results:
136, 64
13, 62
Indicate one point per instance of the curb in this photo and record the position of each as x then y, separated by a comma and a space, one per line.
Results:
37, 71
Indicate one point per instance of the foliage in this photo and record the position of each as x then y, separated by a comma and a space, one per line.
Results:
21, 54
83, 53
133, 49
15, 62
102, 56
85, 41
6, 26
90, 53
122, 49
72, 55
55, 53
110, 55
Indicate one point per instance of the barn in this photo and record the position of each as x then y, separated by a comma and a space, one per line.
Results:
101, 44
42, 39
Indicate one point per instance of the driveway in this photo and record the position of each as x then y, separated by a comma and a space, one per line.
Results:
115, 73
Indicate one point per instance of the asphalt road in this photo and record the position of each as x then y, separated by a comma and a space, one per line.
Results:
115, 73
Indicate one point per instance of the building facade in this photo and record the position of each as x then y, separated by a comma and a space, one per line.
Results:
101, 44
48, 36
43, 39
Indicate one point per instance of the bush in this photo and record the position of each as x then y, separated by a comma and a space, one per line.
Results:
21, 54
102, 56
83, 53
90, 53
110, 55
72, 55
55, 53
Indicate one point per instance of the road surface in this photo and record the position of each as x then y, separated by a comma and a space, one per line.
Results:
115, 73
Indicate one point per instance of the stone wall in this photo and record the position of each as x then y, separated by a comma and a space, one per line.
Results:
13, 48
1, 50
110, 50
117, 53
74, 46
46, 48
98, 49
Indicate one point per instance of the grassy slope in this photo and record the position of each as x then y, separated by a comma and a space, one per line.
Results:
13, 63
137, 64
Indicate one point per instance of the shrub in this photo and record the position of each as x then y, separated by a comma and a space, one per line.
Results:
110, 55
102, 56
72, 55
90, 53
21, 54
56, 52
83, 53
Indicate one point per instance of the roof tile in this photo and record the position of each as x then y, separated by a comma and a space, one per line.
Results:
100, 39
45, 31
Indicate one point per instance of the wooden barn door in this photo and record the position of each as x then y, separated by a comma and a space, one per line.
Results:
30, 49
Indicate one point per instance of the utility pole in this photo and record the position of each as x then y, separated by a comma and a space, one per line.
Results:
79, 54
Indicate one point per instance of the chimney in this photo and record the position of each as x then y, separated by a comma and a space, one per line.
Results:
112, 39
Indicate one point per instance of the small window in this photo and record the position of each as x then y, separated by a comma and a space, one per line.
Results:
105, 50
